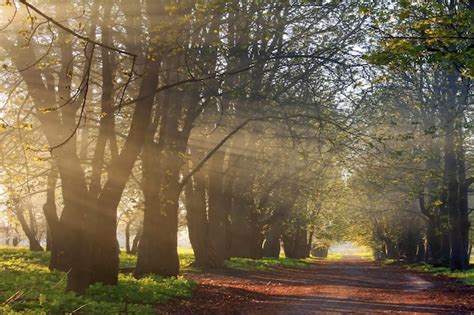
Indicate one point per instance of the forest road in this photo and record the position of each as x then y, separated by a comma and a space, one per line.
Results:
347, 286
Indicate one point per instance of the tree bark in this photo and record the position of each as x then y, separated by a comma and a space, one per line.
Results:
295, 244
243, 206
162, 162
271, 247
196, 214
30, 233
157, 251
136, 241
128, 249
220, 199
458, 221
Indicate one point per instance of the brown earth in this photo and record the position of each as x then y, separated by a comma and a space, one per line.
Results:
326, 287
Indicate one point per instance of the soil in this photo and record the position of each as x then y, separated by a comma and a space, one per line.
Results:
326, 287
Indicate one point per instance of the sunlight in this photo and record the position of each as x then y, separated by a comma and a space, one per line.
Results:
195, 157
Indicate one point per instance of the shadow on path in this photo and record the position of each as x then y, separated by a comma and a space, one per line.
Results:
334, 287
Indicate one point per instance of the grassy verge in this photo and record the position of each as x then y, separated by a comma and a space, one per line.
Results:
466, 277
266, 263
366, 255
186, 257
27, 286
334, 256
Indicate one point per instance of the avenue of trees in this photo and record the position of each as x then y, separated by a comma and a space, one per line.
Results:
252, 125
421, 176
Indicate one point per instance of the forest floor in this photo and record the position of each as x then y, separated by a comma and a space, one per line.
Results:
349, 285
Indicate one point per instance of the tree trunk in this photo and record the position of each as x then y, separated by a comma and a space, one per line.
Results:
392, 250
220, 201
72, 250
128, 249
105, 252
240, 228
49, 240
30, 234
458, 220
444, 228
433, 241
52, 220
295, 244
271, 247
157, 251
136, 241
196, 216
322, 252
243, 236
421, 251
464, 223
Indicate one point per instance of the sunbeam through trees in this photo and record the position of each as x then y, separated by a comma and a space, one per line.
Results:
246, 130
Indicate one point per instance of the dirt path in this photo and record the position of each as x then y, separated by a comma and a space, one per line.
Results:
347, 286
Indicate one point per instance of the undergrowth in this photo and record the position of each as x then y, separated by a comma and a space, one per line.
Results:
266, 263
27, 286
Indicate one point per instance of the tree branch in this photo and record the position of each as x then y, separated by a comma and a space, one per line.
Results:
85, 38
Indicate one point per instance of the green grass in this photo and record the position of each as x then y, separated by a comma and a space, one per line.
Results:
366, 255
127, 260
266, 263
31, 288
334, 256
186, 257
388, 261
465, 276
